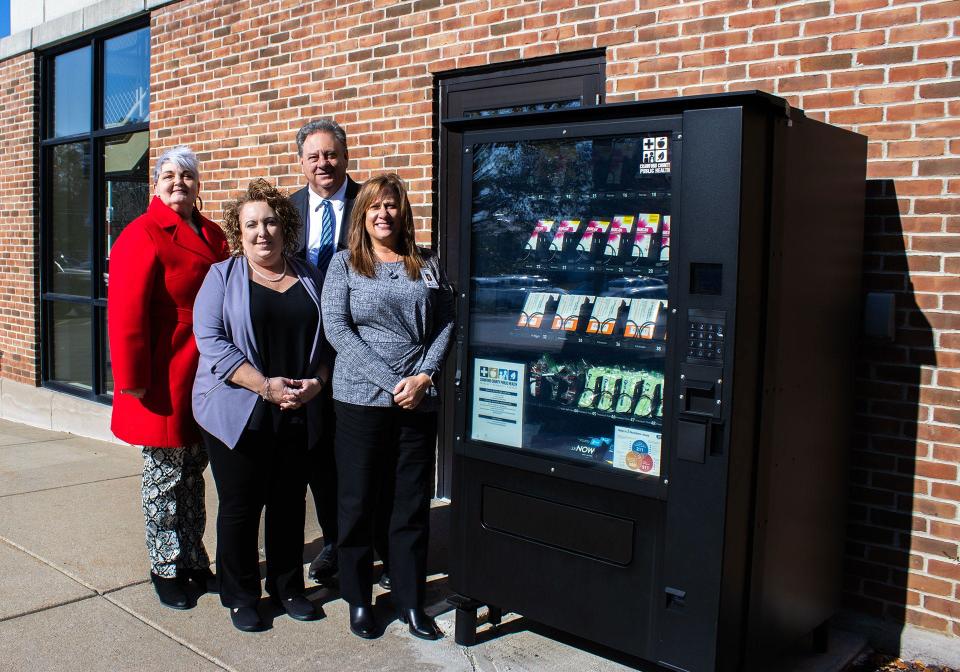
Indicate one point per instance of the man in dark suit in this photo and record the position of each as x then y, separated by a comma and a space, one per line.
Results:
324, 205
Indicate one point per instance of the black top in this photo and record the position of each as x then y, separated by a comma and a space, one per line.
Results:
284, 324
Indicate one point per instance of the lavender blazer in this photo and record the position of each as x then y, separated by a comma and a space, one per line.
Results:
225, 339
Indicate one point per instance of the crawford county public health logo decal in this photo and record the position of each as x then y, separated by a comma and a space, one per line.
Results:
656, 155
493, 373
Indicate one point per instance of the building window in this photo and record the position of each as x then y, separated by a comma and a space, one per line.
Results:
94, 180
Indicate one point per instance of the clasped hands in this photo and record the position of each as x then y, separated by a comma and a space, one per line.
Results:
409, 392
290, 393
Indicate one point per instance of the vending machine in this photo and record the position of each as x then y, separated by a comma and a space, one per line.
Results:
658, 307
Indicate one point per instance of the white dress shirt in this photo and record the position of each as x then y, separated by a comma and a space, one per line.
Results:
338, 201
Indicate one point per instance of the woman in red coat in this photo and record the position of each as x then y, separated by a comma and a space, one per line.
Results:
156, 268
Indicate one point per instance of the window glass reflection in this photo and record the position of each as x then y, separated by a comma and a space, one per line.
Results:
70, 219
126, 79
126, 188
535, 107
71, 92
70, 360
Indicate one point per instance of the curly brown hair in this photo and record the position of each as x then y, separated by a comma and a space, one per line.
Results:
362, 257
259, 190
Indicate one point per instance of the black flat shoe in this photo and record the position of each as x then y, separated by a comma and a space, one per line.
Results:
298, 607
362, 623
420, 624
203, 579
385, 582
246, 619
170, 592
325, 565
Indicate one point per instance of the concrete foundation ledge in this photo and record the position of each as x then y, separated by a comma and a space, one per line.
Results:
903, 640
56, 411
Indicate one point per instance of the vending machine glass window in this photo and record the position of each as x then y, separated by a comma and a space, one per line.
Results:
570, 258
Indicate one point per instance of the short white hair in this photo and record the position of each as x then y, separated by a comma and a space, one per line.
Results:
182, 156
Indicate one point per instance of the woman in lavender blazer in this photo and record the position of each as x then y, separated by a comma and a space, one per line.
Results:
263, 361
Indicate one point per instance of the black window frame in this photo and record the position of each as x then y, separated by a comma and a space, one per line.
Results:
96, 137
578, 76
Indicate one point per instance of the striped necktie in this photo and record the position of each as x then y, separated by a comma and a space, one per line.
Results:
325, 251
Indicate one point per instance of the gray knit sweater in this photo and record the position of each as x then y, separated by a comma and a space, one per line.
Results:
384, 329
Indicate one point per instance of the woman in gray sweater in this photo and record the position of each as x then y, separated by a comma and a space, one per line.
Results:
388, 312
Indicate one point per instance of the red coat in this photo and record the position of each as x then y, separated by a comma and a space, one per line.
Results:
156, 268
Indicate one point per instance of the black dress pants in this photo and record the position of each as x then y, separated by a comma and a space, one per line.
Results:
385, 459
323, 472
264, 470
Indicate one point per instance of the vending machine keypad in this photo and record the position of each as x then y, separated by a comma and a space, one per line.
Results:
705, 338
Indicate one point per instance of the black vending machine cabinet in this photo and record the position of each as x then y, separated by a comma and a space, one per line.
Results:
658, 307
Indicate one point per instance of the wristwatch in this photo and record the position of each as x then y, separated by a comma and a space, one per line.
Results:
432, 373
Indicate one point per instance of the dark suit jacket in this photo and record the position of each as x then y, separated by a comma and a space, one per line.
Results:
301, 201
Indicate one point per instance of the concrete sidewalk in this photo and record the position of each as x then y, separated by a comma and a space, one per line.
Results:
75, 591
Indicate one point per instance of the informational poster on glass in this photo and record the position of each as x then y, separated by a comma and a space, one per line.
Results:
569, 293
498, 402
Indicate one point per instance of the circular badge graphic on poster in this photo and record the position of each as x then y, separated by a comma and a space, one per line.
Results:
639, 458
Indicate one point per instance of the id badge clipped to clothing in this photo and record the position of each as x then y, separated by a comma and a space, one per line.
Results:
429, 279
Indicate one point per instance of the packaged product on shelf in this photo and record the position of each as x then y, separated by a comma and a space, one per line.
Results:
642, 318
568, 316
609, 389
538, 238
541, 378
570, 380
650, 403
566, 231
606, 309
647, 226
619, 232
534, 308
591, 236
630, 390
591, 387
665, 239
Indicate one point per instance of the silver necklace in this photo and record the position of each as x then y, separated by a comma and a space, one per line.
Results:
266, 277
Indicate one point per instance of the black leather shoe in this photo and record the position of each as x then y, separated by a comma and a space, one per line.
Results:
362, 623
325, 565
420, 624
246, 619
298, 607
203, 579
170, 592
385, 582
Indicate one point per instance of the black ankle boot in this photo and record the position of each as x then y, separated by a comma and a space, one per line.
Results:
362, 623
420, 624
203, 579
170, 592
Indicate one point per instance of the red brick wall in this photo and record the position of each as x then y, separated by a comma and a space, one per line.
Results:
19, 286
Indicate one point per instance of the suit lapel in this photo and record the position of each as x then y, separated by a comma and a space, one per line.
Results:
304, 206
